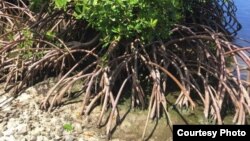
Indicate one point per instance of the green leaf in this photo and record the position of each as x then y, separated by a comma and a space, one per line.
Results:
60, 3
50, 35
133, 2
94, 2
68, 127
116, 30
153, 23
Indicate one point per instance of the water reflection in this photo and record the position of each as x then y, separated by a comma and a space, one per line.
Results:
243, 15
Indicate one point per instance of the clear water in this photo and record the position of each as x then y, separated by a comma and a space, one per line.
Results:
243, 15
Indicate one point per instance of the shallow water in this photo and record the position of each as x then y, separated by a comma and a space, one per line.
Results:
243, 15
243, 36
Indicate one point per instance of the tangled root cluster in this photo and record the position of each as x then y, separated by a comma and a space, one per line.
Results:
197, 59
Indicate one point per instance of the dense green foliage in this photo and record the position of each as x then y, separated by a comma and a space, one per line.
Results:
117, 19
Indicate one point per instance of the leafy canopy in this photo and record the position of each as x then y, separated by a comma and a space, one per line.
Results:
117, 19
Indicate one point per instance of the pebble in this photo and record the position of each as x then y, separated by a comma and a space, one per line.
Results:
59, 133
23, 97
57, 138
1, 134
22, 129
68, 138
78, 128
40, 138
33, 138
9, 132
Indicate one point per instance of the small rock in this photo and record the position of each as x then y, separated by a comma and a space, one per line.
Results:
68, 138
19, 137
59, 130
21, 120
1, 134
49, 137
40, 138
56, 114
52, 136
47, 120
9, 132
33, 138
78, 128
12, 123
44, 133
59, 133
22, 129
36, 132
57, 138
49, 129
23, 97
